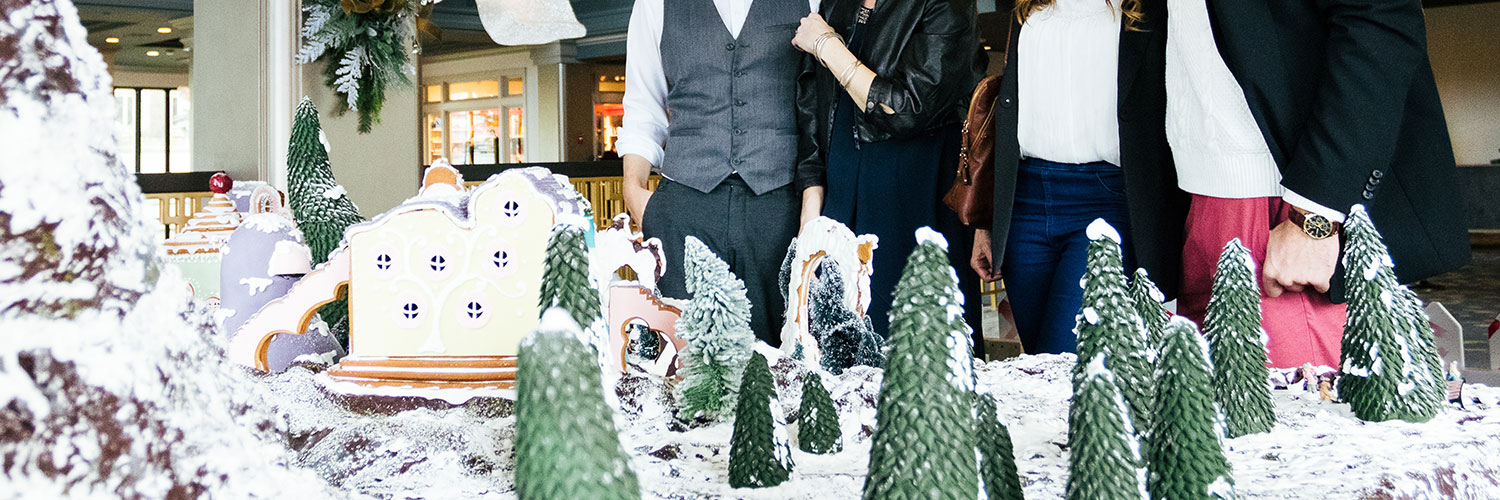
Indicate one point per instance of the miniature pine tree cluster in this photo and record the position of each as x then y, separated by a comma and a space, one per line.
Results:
1238, 344
844, 338
924, 443
1104, 461
1109, 324
566, 443
565, 280
997, 460
759, 454
1149, 304
817, 421
1187, 454
319, 204
716, 326
647, 343
1390, 367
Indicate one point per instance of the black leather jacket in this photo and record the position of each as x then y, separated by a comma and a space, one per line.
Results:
926, 57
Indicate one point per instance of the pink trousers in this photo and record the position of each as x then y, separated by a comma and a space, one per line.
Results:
1302, 327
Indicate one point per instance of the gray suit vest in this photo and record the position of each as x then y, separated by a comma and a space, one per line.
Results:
731, 102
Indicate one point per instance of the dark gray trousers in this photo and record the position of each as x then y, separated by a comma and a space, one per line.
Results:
750, 232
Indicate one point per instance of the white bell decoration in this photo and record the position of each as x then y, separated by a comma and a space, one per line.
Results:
529, 22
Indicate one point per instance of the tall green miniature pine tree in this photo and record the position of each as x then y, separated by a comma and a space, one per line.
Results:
997, 462
716, 326
319, 204
565, 276
759, 455
1104, 461
817, 421
1387, 367
566, 443
1238, 344
1424, 347
1149, 304
924, 442
1109, 324
1187, 454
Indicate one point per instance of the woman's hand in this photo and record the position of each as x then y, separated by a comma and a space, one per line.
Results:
983, 260
812, 27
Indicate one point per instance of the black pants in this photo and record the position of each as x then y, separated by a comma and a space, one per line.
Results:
750, 232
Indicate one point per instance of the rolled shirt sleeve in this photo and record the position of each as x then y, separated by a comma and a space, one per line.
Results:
644, 132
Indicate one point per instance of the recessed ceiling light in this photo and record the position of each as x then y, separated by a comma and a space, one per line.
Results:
152, 53
112, 40
987, 47
163, 30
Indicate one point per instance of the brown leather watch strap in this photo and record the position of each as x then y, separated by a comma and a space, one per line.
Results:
1300, 219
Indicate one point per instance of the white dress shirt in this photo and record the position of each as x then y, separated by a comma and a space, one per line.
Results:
1068, 74
1216, 143
644, 131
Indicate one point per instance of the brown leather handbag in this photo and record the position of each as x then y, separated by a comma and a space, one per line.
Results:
973, 192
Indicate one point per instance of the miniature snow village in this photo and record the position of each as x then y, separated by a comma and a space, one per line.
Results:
483, 342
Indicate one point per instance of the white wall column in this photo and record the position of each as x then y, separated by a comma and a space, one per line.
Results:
547, 135
243, 87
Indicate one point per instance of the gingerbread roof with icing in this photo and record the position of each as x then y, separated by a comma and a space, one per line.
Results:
207, 231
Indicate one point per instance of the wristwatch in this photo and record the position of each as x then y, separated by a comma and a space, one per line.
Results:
1313, 225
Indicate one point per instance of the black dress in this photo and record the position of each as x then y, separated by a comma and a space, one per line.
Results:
890, 189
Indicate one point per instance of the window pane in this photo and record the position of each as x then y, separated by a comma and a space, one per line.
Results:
182, 131
458, 91
153, 131
517, 134
435, 138
515, 86
474, 137
435, 93
125, 126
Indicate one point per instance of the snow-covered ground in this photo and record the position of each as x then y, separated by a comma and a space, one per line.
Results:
405, 448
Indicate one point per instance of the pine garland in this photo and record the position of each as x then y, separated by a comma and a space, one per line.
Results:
566, 443
1104, 457
1109, 324
716, 326
1187, 457
1238, 344
925, 409
759, 455
817, 421
997, 463
365, 53
1390, 367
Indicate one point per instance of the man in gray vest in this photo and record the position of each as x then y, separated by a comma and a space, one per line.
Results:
711, 106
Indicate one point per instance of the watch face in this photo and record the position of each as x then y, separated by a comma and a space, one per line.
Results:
1317, 226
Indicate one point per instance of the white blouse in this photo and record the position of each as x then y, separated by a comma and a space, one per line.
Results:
1068, 81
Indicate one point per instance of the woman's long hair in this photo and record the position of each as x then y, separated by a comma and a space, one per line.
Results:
1131, 9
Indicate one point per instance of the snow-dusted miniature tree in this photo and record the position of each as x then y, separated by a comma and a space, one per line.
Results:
1104, 457
1187, 454
647, 343
1149, 304
785, 277
319, 204
716, 326
1109, 324
817, 421
565, 280
566, 443
925, 406
1237, 343
1387, 367
844, 338
997, 460
759, 453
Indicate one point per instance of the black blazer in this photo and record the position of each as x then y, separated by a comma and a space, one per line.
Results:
926, 57
1157, 207
1344, 95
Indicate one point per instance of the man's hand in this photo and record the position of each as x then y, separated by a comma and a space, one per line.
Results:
1295, 261
637, 172
983, 259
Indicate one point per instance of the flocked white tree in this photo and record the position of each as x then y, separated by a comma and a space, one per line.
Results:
716, 326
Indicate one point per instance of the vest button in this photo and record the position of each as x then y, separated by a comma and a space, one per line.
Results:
728, 46
739, 103
739, 131
739, 74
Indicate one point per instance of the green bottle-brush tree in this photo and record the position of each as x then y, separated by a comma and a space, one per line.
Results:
1237, 343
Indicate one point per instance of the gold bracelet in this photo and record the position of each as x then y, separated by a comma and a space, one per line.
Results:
822, 39
848, 74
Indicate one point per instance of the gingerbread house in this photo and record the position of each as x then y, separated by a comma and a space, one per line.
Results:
441, 289
194, 250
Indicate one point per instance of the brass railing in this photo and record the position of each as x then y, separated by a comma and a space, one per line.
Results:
174, 209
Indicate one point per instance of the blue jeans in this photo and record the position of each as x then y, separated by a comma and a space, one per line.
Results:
1047, 246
